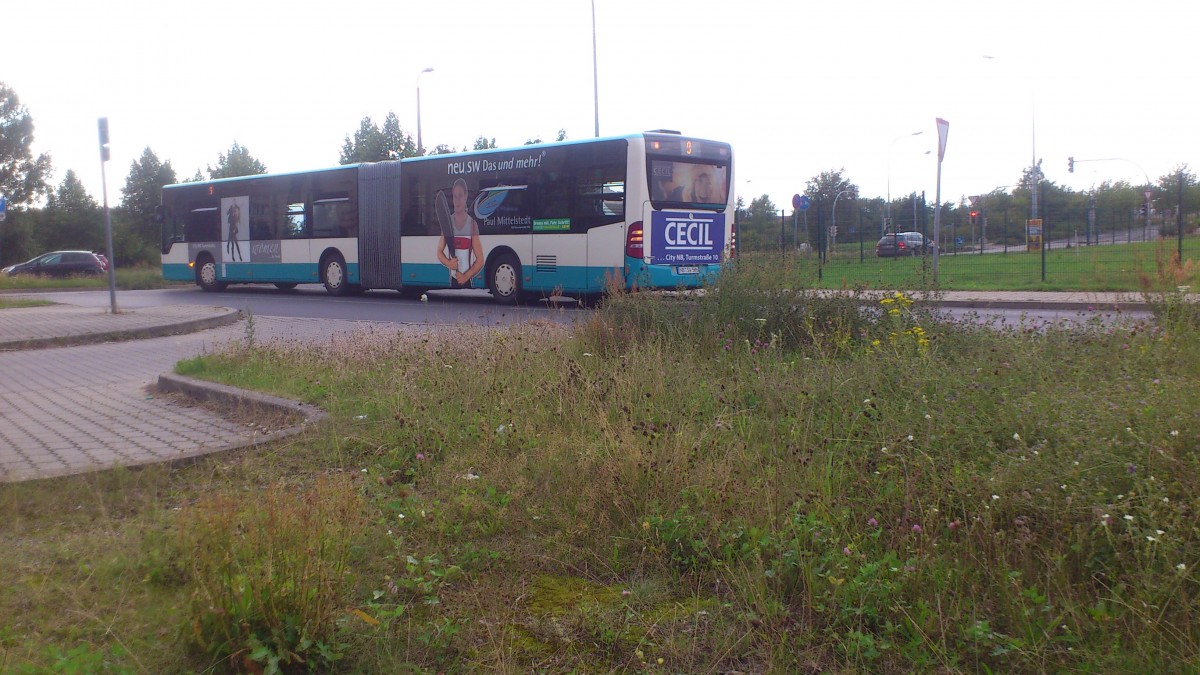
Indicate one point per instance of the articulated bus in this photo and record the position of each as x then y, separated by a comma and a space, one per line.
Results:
652, 210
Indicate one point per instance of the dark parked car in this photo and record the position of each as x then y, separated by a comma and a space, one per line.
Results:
61, 264
903, 243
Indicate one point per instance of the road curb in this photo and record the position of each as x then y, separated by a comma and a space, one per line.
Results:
233, 397
230, 316
1121, 306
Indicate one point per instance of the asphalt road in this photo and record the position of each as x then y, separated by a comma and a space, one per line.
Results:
445, 307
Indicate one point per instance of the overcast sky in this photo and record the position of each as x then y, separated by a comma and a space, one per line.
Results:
796, 87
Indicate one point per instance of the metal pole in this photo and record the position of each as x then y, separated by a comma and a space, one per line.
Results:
420, 145
112, 262
595, 72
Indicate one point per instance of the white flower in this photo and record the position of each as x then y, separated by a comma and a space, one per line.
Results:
1174, 432
1159, 532
587, 354
866, 401
364, 470
910, 437
1063, 486
995, 497
1016, 437
1181, 566
1149, 538
1129, 517
928, 416
1166, 500
400, 516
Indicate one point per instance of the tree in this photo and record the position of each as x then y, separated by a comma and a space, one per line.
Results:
72, 217
22, 178
135, 230
143, 193
483, 143
824, 189
372, 144
442, 149
239, 162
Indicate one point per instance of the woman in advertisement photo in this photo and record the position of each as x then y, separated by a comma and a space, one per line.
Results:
459, 249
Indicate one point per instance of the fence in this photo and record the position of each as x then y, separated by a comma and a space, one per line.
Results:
1107, 251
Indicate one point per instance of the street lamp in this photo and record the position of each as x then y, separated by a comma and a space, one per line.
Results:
887, 219
420, 146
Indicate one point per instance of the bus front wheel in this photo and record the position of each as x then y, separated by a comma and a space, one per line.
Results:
504, 279
206, 275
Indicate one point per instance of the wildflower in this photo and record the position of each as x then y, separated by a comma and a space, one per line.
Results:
625, 593
1106, 519
420, 457
588, 354
916, 528
866, 401
846, 551
1181, 567
364, 470
1063, 486
1174, 432
400, 516
928, 416
645, 524
995, 497
1166, 500
1128, 517
910, 437
1132, 468
1016, 437
955, 524
872, 522
1149, 538
1159, 532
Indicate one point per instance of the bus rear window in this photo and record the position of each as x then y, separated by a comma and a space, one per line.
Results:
688, 185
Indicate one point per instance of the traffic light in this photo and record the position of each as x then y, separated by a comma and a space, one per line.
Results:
974, 218
1070, 165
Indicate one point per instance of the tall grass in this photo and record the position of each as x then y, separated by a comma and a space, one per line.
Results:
747, 479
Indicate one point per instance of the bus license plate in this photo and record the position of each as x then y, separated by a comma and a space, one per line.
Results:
687, 269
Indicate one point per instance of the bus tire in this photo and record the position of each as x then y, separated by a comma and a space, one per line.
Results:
504, 279
206, 275
285, 285
333, 275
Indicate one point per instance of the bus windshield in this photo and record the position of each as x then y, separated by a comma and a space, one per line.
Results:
688, 185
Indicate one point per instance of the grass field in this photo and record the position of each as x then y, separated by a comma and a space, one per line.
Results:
752, 481
130, 279
1118, 267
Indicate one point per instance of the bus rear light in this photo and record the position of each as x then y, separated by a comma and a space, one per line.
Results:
633, 240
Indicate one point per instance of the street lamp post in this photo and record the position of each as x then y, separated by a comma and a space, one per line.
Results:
887, 219
833, 219
595, 72
420, 145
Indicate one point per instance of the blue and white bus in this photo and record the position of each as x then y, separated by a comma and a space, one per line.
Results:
652, 210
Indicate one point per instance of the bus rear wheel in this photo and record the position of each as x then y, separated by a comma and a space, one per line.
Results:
206, 275
333, 273
504, 279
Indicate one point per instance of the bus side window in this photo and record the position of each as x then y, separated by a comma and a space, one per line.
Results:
296, 226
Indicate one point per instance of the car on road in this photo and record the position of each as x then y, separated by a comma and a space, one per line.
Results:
903, 243
60, 264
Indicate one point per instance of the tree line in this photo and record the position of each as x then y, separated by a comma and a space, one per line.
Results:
999, 216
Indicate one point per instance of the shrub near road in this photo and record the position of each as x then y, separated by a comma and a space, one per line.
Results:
752, 480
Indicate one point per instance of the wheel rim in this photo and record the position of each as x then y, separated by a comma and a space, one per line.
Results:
505, 280
208, 273
333, 274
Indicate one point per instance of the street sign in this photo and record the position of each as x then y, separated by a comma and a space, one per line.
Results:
1148, 194
3, 208
801, 202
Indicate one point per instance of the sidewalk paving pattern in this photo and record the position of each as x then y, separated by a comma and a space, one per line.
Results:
87, 407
